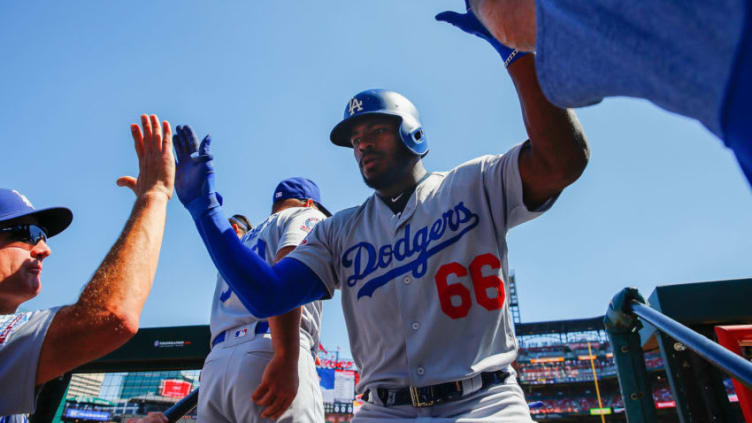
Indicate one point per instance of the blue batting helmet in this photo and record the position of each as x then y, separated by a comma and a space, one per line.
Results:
383, 103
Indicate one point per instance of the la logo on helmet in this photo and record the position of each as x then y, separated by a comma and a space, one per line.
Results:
355, 106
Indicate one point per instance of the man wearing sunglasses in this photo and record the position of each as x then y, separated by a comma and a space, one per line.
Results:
38, 346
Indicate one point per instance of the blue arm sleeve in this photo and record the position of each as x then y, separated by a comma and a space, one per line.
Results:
264, 290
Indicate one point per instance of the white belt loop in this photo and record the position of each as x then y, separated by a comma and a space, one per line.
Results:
373, 396
472, 385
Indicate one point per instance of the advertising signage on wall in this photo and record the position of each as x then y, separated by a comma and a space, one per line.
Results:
78, 414
175, 388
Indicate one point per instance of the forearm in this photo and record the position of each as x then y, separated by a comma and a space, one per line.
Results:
557, 142
107, 313
263, 289
285, 331
123, 281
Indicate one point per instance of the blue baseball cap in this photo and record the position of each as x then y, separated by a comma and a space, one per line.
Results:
13, 205
300, 188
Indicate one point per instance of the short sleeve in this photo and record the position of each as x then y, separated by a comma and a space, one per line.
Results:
21, 339
298, 225
316, 252
503, 187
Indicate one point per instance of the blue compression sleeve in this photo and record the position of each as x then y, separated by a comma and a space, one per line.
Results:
263, 289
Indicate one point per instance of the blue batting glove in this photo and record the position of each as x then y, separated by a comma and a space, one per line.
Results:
194, 173
470, 24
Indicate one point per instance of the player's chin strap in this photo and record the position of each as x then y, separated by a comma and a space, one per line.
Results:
427, 396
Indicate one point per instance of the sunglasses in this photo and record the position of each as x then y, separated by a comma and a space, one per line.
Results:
29, 234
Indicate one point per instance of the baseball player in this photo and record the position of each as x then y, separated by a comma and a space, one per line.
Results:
691, 57
260, 359
240, 224
421, 264
37, 346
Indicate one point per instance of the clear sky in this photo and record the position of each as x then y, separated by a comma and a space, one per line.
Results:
661, 202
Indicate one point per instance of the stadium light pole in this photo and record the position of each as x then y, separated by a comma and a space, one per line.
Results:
595, 380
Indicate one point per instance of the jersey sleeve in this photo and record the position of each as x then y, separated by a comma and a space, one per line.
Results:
297, 227
503, 187
317, 253
21, 338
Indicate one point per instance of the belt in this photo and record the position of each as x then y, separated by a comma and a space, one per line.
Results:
261, 327
427, 396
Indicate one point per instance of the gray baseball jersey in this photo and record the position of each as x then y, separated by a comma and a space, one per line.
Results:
21, 338
423, 291
286, 228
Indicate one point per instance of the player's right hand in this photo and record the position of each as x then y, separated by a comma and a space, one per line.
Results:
278, 387
469, 23
194, 179
155, 160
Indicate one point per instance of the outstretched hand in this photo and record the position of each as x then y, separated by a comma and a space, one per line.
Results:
194, 180
469, 23
156, 162
278, 387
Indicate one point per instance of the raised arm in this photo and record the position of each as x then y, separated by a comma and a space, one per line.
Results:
263, 289
107, 313
557, 151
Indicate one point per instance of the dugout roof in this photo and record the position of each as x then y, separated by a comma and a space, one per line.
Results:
560, 326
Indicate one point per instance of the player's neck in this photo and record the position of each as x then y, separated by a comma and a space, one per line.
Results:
408, 183
397, 199
8, 306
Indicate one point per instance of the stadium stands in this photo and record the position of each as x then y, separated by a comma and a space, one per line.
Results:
555, 367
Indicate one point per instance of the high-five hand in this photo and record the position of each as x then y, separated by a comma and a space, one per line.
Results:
194, 181
469, 23
156, 162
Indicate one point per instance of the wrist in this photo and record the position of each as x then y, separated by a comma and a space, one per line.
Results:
199, 206
153, 197
287, 354
523, 68
513, 56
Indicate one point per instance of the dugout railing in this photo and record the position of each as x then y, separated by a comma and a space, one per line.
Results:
682, 321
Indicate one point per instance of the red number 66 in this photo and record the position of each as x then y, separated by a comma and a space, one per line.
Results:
481, 285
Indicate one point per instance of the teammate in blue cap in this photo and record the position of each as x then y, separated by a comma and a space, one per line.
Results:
691, 57
270, 361
37, 346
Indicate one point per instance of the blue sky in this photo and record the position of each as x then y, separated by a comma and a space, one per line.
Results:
661, 202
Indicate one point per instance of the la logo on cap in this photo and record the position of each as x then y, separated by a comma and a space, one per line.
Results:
355, 106
23, 198
277, 195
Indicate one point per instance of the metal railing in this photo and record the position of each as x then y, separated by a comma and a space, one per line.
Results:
622, 323
734, 365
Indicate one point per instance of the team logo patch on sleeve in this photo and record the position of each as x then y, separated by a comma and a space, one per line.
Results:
10, 323
309, 223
